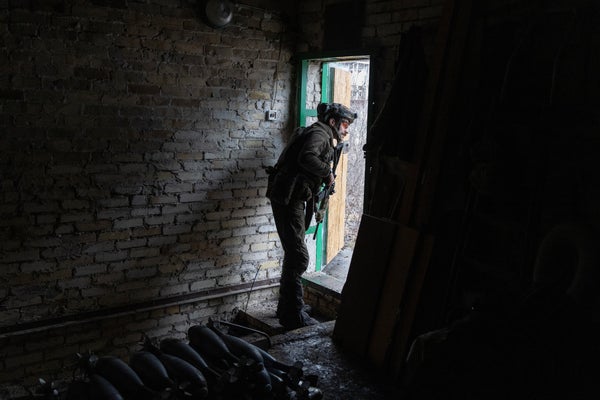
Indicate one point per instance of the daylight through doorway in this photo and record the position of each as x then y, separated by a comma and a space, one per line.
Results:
333, 249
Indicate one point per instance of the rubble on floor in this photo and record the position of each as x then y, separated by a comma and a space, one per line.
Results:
340, 375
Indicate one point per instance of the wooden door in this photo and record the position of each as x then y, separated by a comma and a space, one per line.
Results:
340, 93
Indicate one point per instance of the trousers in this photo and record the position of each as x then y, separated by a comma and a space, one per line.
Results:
289, 221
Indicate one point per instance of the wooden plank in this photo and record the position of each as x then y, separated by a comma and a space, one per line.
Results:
342, 86
370, 305
361, 292
408, 308
417, 205
393, 291
336, 214
433, 148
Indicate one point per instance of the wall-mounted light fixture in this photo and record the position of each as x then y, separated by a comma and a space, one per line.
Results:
217, 13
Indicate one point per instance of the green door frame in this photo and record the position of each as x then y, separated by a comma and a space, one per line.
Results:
304, 113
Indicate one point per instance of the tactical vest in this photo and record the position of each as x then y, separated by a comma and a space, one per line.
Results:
287, 180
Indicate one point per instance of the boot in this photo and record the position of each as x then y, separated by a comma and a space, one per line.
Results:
297, 320
291, 294
306, 308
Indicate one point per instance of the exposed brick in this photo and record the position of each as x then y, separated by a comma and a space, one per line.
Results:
57, 350
143, 89
173, 290
23, 359
137, 212
111, 256
234, 223
139, 200
80, 282
131, 243
260, 247
93, 269
100, 225
159, 220
37, 266
128, 223
141, 273
143, 252
28, 255
143, 232
192, 197
141, 326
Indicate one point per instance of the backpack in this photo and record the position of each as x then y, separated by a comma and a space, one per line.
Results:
293, 146
283, 175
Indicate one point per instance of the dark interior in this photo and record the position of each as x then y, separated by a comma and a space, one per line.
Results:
132, 156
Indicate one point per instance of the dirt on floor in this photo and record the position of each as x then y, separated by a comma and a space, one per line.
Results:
340, 376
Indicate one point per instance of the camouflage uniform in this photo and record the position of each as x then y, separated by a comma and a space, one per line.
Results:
301, 169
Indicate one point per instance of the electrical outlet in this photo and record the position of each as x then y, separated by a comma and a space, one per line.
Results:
271, 115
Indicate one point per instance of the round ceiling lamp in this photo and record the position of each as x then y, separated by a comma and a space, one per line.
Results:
218, 13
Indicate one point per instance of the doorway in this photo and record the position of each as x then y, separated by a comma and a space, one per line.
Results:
345, 80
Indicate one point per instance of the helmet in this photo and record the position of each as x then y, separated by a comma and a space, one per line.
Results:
335, 110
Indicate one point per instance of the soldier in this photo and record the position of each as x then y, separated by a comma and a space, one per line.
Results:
302, 168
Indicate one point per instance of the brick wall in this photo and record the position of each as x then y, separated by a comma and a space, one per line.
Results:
131, 154
133, 140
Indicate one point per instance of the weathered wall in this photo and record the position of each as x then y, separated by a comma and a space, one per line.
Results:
131, 153
133, 140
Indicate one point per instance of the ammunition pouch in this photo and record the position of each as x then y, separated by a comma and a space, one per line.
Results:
282, 186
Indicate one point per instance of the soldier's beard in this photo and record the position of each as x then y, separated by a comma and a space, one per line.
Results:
337, 131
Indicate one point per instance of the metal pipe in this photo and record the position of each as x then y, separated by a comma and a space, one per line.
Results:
113, 312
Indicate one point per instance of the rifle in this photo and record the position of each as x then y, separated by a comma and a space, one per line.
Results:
321, 201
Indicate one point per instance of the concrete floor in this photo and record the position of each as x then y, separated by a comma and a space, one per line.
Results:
340, 375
